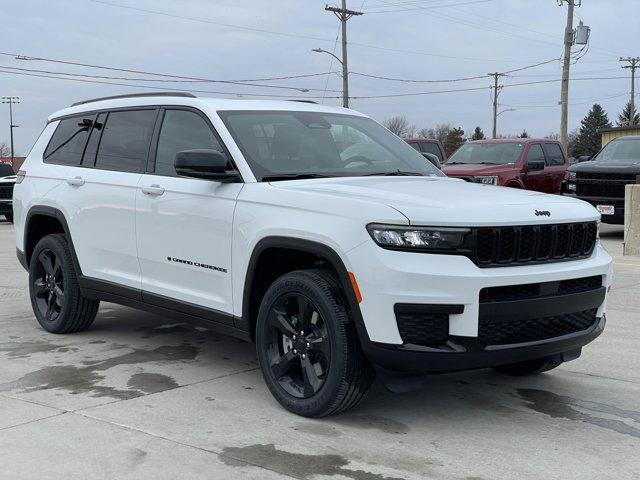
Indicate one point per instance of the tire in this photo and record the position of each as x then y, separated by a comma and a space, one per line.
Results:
9, 217
323, 371
529, 367
55, 294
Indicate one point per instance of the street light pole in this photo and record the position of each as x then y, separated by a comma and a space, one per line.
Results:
11, 100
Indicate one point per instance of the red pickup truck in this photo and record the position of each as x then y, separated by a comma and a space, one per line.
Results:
532, 164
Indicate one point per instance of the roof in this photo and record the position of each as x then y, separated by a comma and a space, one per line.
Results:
628, 128
203, 103
514, 140
626, 137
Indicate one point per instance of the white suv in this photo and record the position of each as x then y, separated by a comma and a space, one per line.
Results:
310, 230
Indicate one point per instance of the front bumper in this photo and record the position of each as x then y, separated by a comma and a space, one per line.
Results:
618, 203
464, 353
388, 278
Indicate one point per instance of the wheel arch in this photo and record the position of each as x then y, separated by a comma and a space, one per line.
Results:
42, 220
253, 290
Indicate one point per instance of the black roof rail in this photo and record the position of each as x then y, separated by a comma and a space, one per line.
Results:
305, 101
134, 95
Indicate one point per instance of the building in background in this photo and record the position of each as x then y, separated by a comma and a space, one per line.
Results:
609, 134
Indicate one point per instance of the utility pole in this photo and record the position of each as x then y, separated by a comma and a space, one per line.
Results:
634, 62
343, 15
496, 90
566, 62
11, 101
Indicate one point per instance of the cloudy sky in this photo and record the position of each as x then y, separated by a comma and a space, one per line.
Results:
251, 39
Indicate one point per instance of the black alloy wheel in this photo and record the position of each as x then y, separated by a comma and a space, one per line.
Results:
48, 285
298, 347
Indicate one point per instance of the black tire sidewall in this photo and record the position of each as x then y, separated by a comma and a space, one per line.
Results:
333, 314
59, 247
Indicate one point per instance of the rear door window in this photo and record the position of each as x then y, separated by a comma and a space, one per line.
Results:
89, 158
68, 141
125, 141
554, 154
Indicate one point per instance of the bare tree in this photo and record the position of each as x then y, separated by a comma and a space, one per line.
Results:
399, 125
5, 151
426, 133
553, 136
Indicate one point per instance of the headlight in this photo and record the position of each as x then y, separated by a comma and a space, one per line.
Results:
493, 180
418, 238
570, 176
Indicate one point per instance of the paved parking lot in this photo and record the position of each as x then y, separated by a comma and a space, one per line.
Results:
140, 396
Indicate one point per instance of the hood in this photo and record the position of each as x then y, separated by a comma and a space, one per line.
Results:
477, 169
607, 166
442, 201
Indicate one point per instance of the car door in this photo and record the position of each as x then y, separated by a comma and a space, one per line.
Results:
556, 167
103, 193
184, 225
535, 180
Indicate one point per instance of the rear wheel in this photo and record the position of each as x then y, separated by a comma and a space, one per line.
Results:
308, 347
529, 367
55, 294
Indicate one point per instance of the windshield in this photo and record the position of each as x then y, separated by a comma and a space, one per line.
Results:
620, 150
278, 144
487, 153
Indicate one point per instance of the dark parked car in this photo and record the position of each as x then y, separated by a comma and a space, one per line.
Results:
601, 181
429, 146
532, 164
7, 181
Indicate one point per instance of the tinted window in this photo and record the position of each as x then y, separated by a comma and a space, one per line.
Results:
415, 145
67, 143
182, 130
89, 158
554, 154
535, 153
5, 170
125, 141
432, 148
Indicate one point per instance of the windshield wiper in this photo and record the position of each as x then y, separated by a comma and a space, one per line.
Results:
397, 173
292, 176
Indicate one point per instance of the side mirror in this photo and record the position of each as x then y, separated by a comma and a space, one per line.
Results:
433, 159
584, 158
203, 163
535, 165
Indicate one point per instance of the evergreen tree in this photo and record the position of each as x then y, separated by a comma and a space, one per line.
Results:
623, 118
524, 134
453, 140
589, 140
478, 134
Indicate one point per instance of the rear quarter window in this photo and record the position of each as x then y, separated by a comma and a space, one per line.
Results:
68, 141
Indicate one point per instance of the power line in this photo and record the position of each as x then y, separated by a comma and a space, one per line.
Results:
430, 7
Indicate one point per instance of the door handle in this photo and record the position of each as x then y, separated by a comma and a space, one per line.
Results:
154, 190
75, 181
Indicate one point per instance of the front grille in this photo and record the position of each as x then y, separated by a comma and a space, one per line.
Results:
519, 245
6, 192
430, 330
531, 330
535, 290
595, 184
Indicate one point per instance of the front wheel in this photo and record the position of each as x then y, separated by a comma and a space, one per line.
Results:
308, 347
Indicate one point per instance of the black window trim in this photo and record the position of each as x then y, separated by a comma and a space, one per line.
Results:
149, 168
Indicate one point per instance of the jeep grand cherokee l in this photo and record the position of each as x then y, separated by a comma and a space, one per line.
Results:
310, 230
